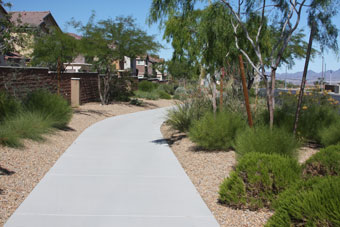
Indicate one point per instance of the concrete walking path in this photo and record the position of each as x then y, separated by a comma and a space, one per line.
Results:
118, 172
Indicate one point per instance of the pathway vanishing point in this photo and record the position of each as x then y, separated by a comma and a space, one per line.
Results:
118, 172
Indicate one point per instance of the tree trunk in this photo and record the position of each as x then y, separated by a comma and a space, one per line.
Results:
245, 92
221, 88
100, 90
304, 76
213, 90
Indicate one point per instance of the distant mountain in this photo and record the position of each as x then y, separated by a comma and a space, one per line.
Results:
295, 78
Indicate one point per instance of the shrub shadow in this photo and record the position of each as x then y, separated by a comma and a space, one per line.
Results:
4, 171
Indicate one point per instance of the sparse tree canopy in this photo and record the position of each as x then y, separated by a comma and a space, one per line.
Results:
49, 48
112, 39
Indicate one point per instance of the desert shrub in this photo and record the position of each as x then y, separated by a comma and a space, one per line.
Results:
216, 132
51, 106
330, 135
183, 114
136, 102
8, 106
168, 88
318, 112
324, 163
263, 140
27, 125
153, 95
180, 93
264, 176
232, 191
309, 203
120, 89
163, 95
147, 86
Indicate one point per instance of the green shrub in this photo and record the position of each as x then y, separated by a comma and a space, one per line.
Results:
216, 132
330, 135
8, 106
164, 95
51, 106
136, 102
180, 93
318, 112
147, 86
309, 203
168, 88
232, 191
263, 140
120, 89
264, 176
153, 95
324, 163
181, 117
27, 125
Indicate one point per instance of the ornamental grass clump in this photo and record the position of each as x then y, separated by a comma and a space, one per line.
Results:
9, 106
52, 107
216, 131
324, 163
330, 135
264, 140
258, 180
25, 125
314, 202
184, 114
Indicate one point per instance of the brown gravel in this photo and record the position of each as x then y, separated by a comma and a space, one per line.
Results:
22, 169
208, 169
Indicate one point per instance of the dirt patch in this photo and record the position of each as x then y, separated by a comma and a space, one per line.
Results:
22, 169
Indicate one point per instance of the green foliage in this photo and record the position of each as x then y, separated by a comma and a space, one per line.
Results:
314, 202
8, 106
318, 112
48, 48
263, 140
330, 135
180, 93
147, 86
136, 102
153, 95
264, 176
168, 88
232, 191
163, 95
27, 125
51, 106
324, 163
216, 132
120, 90
184, 114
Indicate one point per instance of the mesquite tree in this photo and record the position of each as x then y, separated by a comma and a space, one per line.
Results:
109, 41
281, 16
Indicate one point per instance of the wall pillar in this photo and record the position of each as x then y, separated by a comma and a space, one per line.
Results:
75, 92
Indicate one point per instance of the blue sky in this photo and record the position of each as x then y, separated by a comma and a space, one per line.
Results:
64, 10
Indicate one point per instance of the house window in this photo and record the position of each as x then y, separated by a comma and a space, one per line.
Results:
139, 62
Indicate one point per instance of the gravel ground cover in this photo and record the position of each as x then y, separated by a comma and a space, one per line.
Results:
22, 169
208, 169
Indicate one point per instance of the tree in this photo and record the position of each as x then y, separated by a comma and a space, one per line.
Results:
9, 41
282, 17
109, 41
54, 47
325, 33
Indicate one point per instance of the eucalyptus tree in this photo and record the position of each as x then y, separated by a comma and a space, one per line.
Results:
282, 16
108, 41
